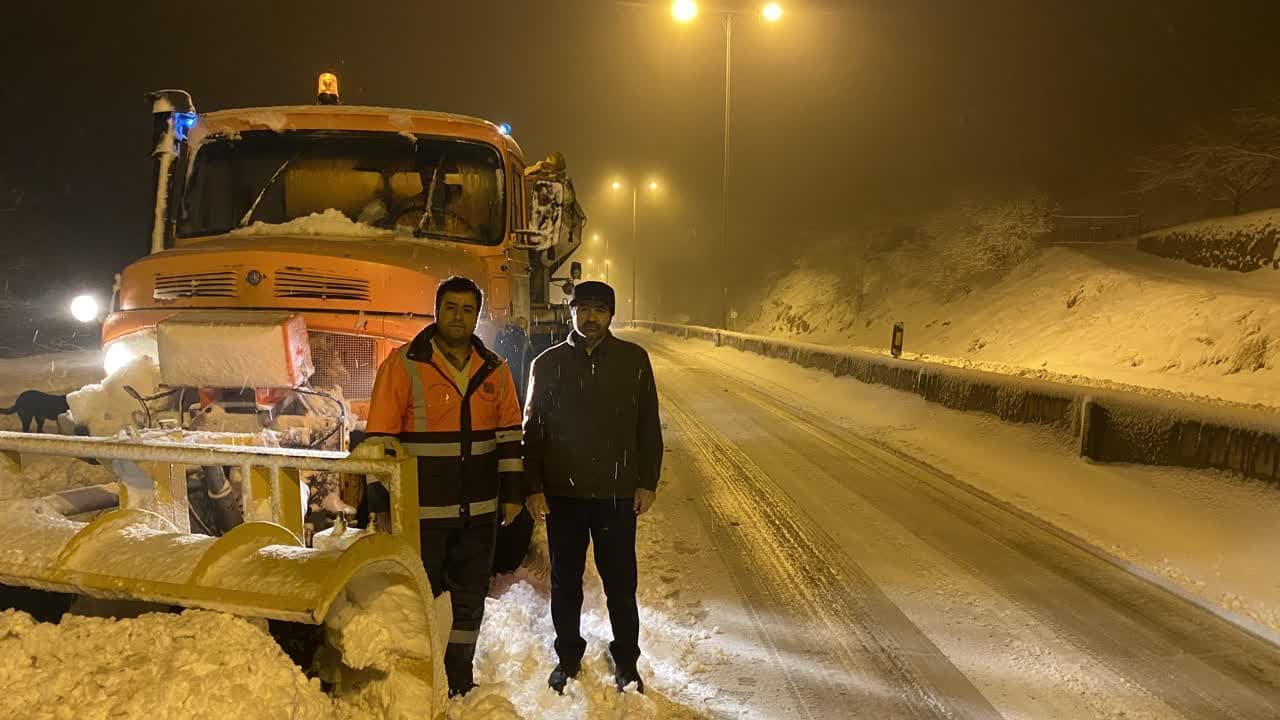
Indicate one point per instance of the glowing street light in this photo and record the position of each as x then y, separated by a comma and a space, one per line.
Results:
84, 308
652, 186
684, 11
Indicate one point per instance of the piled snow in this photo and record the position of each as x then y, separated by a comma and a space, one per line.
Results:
330, 223
1107, 313
45, 476
105, 408
194, 665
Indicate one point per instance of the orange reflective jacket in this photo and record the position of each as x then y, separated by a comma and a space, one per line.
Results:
468, 440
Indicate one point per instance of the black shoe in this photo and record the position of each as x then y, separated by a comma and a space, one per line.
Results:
628, 677
460, 691
561, 676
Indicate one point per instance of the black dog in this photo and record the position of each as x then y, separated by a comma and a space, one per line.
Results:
38, 406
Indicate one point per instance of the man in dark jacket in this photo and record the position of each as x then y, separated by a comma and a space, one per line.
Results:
593, 453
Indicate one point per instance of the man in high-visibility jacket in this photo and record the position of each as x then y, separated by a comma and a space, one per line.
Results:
453, 404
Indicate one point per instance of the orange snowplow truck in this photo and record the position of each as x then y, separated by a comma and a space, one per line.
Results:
348, 217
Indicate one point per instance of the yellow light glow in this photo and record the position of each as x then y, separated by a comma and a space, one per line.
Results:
772, 12
653, 184
617, 185
684, 11
327, 84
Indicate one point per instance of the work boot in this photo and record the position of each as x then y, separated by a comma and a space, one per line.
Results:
561, 676
628, 676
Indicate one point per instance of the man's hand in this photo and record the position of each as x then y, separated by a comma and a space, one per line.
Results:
509, 512
644, 500
537, 505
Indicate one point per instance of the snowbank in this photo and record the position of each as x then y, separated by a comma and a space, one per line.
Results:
330, 223
45, 476
1100, 314
105, 408
1244, 242
195, 665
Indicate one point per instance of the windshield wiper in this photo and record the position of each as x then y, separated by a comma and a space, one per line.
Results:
425, 220
248, 216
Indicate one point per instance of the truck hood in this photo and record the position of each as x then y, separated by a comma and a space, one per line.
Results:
385, 275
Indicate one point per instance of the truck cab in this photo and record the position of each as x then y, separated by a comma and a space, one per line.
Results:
348, 216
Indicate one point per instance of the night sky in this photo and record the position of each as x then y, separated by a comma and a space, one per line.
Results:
845, 113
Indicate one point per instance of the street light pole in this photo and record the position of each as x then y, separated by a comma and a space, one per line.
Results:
724, 190
635, 251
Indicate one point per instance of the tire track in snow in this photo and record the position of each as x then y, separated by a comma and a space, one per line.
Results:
791, 568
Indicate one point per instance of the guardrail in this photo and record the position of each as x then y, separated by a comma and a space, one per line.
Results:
1110, 425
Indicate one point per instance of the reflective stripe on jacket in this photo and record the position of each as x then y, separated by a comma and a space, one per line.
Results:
468, 441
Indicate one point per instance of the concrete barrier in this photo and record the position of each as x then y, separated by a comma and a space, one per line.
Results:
1110, 425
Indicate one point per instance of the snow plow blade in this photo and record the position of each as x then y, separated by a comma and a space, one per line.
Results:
260, 569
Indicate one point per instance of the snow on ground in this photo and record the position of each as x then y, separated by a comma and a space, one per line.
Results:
194, 665
48, 475
1082, 313
515, 654
54, 373
1208, 533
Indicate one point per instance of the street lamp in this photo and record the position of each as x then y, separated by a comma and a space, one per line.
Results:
652, 185
684, 11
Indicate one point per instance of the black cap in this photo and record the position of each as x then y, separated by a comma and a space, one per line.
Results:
594, 290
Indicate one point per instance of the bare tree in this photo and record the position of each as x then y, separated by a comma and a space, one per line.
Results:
1227, 163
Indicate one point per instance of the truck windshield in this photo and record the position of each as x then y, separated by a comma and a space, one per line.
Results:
450, 189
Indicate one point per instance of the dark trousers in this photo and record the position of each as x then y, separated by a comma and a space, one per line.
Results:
610, 525
459, 559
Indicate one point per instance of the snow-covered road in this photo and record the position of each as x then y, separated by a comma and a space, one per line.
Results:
823, 549
863, 582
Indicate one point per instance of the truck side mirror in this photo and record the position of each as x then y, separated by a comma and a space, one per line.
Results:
575, 270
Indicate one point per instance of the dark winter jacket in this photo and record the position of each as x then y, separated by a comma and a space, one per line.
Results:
591, 427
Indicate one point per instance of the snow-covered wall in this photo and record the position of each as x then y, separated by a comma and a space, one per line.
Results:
1244, 243
1110, 425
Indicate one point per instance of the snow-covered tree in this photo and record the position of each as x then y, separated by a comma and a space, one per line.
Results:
1229, 162
978, 236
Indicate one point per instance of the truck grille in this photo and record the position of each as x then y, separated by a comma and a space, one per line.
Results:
319, 286
221, 284
344, 361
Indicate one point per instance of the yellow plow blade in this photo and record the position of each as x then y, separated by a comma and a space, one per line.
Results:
259, 569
